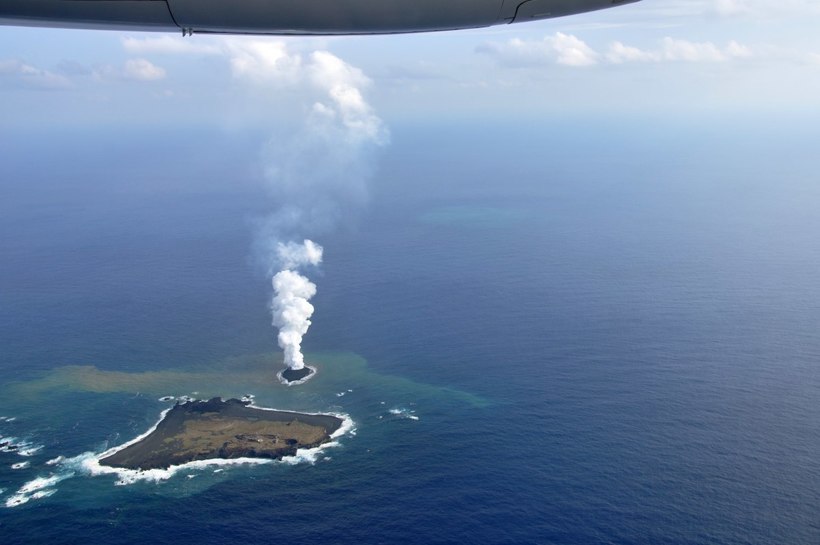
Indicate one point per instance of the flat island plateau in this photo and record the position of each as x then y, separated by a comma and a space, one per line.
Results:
223, 429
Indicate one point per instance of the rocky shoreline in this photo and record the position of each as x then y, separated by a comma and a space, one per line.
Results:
223, 429
296, 375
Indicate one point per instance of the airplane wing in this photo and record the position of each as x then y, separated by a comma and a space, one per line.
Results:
295, 17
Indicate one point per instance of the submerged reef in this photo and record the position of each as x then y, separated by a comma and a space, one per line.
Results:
223, 429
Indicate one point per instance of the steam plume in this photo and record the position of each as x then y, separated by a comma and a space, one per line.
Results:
317, 173
293, 255
292, 292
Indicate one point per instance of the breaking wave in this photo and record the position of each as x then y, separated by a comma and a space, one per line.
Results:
401, 412
41, 487
88, 463
16, 445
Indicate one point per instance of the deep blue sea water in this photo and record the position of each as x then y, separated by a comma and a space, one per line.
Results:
607, 330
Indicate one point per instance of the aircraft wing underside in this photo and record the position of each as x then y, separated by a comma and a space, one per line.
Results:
288, 16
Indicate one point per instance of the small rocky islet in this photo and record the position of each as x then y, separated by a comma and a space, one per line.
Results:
223, 429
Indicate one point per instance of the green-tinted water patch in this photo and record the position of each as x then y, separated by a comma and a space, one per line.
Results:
338, 372
72, 411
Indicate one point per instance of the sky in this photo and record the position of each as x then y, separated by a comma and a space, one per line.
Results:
671, 58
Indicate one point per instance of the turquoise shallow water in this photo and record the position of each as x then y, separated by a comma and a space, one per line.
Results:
609, 348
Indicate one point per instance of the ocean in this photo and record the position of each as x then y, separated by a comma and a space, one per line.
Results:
571, 331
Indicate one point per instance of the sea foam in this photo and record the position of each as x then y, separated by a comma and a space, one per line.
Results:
19, 446
404, 413
283, 380
38, 488
88, 463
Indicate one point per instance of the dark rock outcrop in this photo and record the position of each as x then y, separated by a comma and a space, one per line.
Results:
295, 375
202, 430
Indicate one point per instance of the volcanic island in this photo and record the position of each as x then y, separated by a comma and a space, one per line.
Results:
296, 376
223, 429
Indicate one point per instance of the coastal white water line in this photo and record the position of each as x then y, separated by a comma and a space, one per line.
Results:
88, 464
290, 306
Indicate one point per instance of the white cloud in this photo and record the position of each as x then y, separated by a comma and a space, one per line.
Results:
24, 74
684, 50
143, 70
263, 61
569, 50
169, 45
736, 50
132, 70
731, 7
764, 8
674, 50
619, 53
560, 48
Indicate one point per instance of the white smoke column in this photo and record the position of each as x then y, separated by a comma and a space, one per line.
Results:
293, 255
319, 160
291, 306
316, 170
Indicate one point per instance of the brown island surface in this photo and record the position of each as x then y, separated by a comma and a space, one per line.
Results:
205, 430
